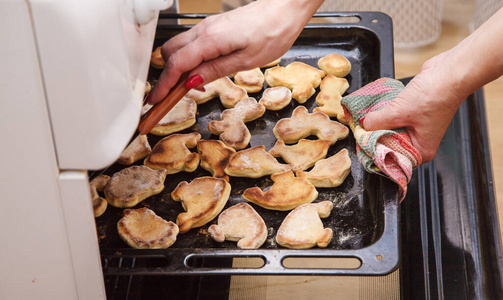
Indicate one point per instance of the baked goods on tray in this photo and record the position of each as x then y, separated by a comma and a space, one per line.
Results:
276, 98
143, 229
138, 149
254, 162
286, 193
96, 185
302, 155
252, 80
156, 59
232, 129
173, 155
335, 64
203, 199
240, 223
303, 124
180, 117
132, 185
272, 63
214, 157
329, 99
299, 77
329, 172
303, 229
230, 93
228, 154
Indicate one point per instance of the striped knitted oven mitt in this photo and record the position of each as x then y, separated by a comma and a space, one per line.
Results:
386, 152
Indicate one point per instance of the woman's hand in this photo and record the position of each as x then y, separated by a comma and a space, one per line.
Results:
427, 104
425, 107
245, 38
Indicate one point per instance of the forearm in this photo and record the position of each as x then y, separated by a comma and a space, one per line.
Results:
478, 59
288, 16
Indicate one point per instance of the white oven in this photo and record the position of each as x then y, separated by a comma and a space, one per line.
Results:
72, 80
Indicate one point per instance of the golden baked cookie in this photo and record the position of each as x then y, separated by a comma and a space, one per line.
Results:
329, 98
173, 155
203, 199
96, 185
252, 80
230, 93
272, 63
156, 59
138, 149
240, 223
329, 172
303, 124
286, 193
132, 185
303, 229
299, 77
335, 64
302, 155
254, 162
143, 229
276, 98
148, 88
232, 129
180, 117
214, 157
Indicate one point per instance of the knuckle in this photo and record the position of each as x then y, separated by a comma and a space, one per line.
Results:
216, 70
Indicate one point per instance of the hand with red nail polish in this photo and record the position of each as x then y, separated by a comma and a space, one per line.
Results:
194, 81
233, 41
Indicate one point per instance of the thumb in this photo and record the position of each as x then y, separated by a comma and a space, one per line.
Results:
389, 117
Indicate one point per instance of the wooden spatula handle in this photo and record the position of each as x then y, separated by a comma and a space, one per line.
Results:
159, 110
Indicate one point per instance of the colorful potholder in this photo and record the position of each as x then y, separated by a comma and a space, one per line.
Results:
386, 152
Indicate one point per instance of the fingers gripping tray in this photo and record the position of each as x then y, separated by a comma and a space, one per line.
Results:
364, 219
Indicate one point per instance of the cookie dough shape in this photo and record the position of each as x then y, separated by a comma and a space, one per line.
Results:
156, 60
240, 223
138, 149
132, 185
329, 172
303, 229
232, 129
302, 155
96, 185
299, 77
335, 64
303, 124
276, 98
214, 157
252, 80
254, 162
203, 199
287, 192
329, 99
180, 117
173, 155
143, 229
230, 93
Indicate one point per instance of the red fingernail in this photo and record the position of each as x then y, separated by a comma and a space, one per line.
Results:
194, 81
147, 99
361, 120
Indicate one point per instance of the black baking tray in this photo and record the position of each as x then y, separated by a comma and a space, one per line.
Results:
365, 216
